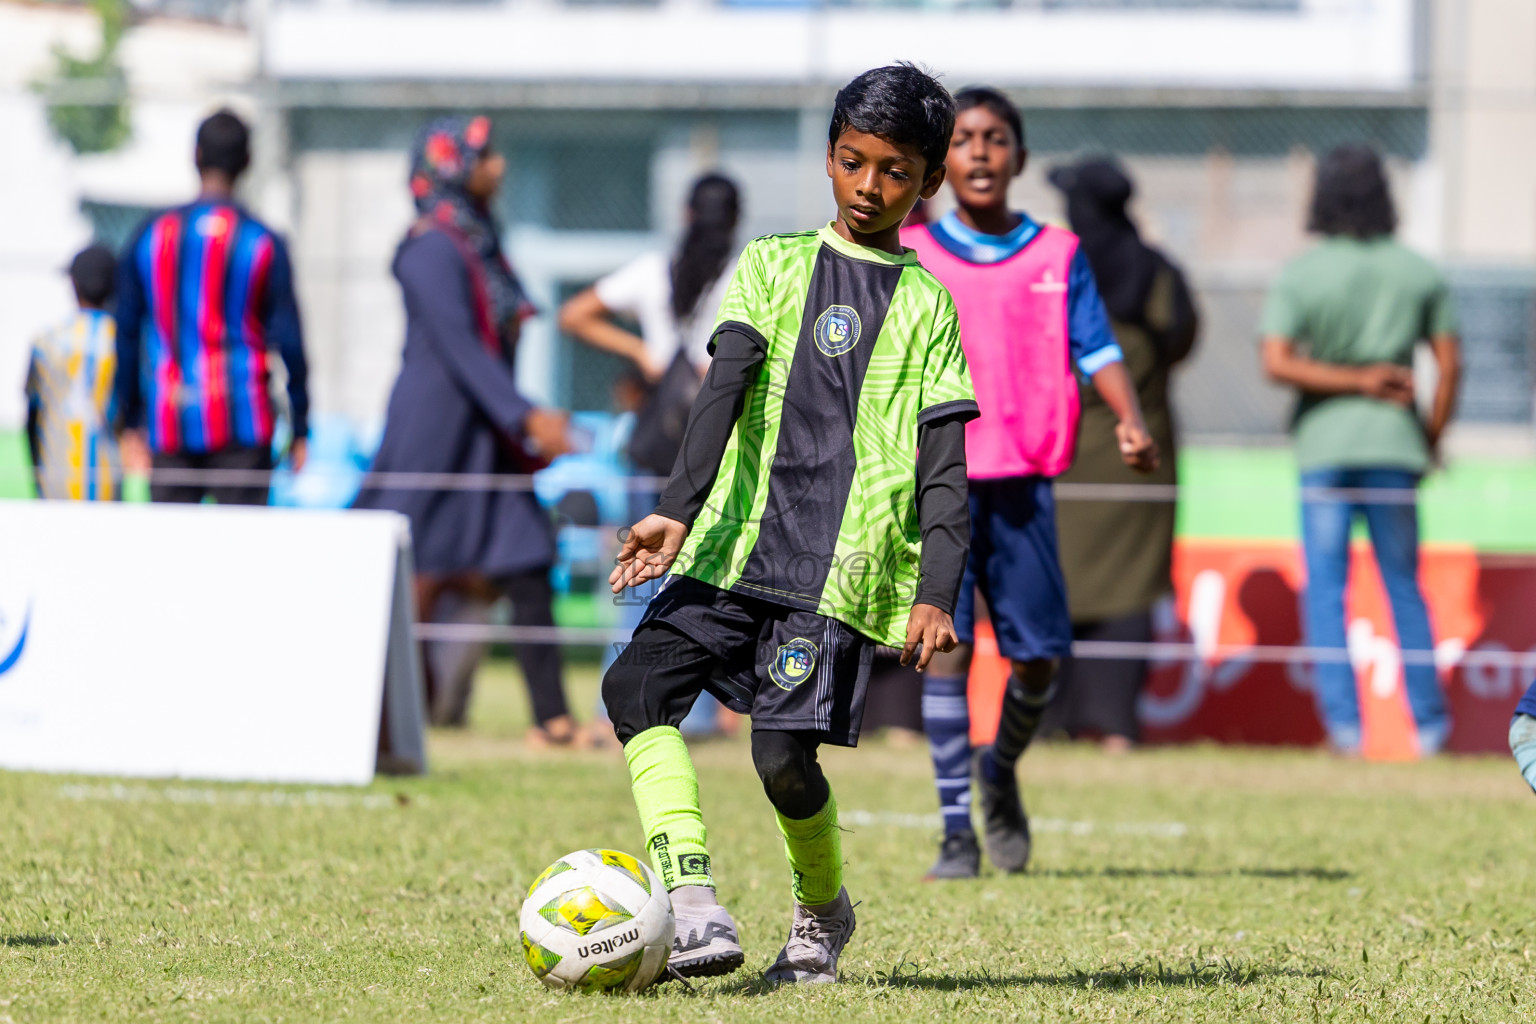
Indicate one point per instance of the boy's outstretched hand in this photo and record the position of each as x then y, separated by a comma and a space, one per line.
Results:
648, 552
933, 628
1137, 449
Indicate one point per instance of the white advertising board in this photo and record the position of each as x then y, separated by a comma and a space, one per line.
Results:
199, 641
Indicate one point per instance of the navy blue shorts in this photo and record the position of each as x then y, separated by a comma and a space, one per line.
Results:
1015, 564
1527, 705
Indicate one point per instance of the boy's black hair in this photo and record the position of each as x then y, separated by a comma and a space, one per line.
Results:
1351, 196
224, 144
93, 272
902, 104
1002, 106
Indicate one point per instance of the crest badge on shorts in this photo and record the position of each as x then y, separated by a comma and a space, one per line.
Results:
793, 663
837, 330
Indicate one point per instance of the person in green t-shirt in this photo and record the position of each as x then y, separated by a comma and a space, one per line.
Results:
818, 509
1340, 325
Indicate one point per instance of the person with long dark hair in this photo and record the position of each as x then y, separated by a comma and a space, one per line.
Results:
1340, 326
673, 297
456, 408
1117, 556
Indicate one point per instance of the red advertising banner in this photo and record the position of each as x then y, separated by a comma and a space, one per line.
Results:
1243, 593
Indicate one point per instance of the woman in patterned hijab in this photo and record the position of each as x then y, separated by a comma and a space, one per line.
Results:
456, 408
454, 176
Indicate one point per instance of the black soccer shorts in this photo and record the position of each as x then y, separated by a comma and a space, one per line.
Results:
793, 671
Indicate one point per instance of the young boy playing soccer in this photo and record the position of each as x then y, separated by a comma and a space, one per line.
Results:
1030, 314
817, 510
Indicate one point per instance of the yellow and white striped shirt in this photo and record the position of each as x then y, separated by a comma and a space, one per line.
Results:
70, 384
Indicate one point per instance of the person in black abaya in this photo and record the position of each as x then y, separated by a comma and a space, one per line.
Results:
1116, 555
456, 408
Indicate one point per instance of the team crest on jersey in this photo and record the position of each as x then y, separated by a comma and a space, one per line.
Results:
793, 663
1048, 283
212, 225
837, 330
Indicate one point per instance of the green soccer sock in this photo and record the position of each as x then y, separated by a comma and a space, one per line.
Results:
667, 797
814, 848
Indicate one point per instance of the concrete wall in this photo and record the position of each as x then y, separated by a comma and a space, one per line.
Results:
1485, 115
1322, 44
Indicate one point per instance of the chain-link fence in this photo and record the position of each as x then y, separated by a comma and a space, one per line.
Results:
1222, 394
1223, 190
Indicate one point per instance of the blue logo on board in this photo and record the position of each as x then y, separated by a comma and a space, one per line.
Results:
13, 638
837, 330
793, 664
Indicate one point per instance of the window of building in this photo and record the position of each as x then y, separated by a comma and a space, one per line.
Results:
113, 223
585, 376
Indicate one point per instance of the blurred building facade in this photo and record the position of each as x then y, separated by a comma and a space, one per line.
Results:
181, 59
606, 110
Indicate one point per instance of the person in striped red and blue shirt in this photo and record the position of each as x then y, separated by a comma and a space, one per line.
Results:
204, 291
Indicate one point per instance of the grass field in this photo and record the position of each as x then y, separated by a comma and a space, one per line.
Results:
1176, 885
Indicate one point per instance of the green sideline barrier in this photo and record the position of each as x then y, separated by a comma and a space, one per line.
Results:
1250, 493
15, 482
1245, 493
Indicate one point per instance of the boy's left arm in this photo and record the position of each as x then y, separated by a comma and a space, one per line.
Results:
1098, 355
943, 513
651, 545
1137, 449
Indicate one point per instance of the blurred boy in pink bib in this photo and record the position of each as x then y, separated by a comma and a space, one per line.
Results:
1031, 320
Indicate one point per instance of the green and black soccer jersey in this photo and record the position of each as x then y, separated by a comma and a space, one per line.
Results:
813, 505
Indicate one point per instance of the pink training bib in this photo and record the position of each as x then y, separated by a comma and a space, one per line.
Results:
1013, 327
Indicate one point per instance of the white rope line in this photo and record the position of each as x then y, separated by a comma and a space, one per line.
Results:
377, 481
1064, 490
1087, 650
488, 633
1060, 826
204, 796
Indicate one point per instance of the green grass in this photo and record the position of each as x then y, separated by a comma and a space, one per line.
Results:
15, 466
1192, 884
1250, 494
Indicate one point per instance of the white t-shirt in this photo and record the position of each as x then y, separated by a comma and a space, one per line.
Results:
642, 290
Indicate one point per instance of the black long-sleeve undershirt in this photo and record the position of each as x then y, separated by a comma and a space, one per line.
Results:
942, 504
715, 411
943, 511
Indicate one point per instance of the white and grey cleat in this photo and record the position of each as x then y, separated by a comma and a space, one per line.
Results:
816, 939
706, 943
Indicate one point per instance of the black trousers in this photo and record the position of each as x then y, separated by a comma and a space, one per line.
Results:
655, 681
1097, 697
533, 604
532, 599
243, 460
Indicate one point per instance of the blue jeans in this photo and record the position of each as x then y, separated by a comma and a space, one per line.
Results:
1394, 530
704, 719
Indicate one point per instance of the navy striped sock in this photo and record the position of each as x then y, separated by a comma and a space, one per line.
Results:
1022, 711
947, 721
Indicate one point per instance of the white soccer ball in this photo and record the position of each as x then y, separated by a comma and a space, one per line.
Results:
597, 920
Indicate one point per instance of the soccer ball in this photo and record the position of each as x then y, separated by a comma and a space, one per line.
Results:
597, 920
